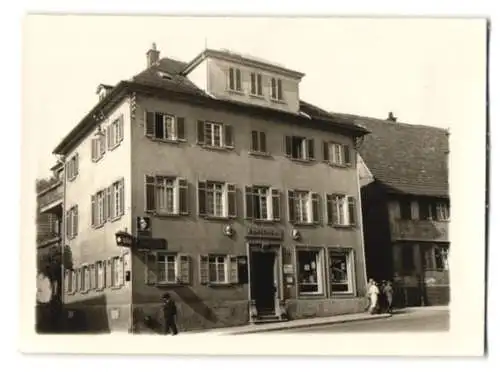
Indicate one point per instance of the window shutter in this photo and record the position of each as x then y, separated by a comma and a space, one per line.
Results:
255, 141
181, 131
109, 136
151, 265
259, 84
231, 78
66, 281
119, 138
326, 151
275, 195
310, 149
75, 222
329, 209
150, 123
280, 90
347, 154
102, 139
109, 273
315, 208
228, 135
231, 201
121, 191
204, 269
202, 198
185, 269
107, 198
183, 196
248, 202
233, 269
120, 270
75, 165
93, 151
149, 191
352, 210
263, 147
288, 146
252, 84
238, 79
93, 211
200, 133
68, 224
291, 206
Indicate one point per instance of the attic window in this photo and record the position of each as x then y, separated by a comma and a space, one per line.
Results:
164, 75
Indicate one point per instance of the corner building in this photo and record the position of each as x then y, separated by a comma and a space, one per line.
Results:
255, 192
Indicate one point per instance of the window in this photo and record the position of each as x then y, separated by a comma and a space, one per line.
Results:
215, 135
340, 270
98, 144
166, 195
167, 268
256, 84
74, 280
235, 79
100, 275
436, 258
303, 207
408, 262
72, 167
432, 209
310, 271
115, 132
405, 209
92, 277
107, 204
72, 222
161, 126
86, 285
218, 269
116, 271
276, 89
216, 199
443, 211
69, 281
259, 142
262, 203
299, 148
340, 210
336, 154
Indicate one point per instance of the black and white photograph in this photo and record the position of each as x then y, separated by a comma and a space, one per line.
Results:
255, 177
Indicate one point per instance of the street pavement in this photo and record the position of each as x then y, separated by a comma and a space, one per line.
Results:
428, 321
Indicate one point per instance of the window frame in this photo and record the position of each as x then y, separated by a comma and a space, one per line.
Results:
228, 192
178, 127
180, 191
182, 263
117, 272
434, 250
71, 222
307, 148
234, 80
72, 167
231, 272
256, 86
276, 90
340, 205
320, 271
314, 213
350, 270
272, 195
258, 142
115, 133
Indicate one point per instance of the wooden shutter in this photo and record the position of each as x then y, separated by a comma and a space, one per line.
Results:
109, 273
204, 274
276, 204
75, 222
291, 206
180, 130
253, 83
109, 136
288, 146
119, 138
259, 84
68, 224
347, 154
316, 216
185, 269
263, 145
326, 151
150, 268
255, 141
352, 210
75, 165
66, 281
109, 198
121, 191
280, 90
149, 192
202, 198
310, 149
93, 211
228, 135
231, 201
248, 202
200, 132
102, 141
329, 209
120, 268
238, 79
150, 124
233, 269
183, 196
93, 143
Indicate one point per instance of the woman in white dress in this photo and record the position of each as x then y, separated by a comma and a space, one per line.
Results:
373, 293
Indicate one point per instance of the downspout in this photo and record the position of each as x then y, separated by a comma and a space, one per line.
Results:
63, 235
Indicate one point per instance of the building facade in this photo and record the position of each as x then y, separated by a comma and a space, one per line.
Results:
405, 201
250, 195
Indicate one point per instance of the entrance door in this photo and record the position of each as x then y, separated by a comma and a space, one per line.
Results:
263, 287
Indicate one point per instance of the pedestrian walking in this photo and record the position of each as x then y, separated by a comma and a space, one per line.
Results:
368, 301
373, 292
169, 314
388, 291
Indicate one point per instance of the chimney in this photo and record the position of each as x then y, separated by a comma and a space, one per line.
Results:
153, 55
391, 117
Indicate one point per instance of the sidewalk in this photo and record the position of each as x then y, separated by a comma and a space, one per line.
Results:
292, 324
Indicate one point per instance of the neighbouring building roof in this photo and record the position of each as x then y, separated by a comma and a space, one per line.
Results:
408, 159
167, 76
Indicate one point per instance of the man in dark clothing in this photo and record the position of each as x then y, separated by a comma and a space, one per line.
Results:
169, 314
389, 294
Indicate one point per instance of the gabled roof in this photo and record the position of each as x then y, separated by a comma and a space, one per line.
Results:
406, 158
167, 78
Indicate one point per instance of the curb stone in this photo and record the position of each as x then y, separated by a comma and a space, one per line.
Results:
287, 326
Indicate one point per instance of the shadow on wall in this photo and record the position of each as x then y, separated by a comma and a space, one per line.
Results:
89, 316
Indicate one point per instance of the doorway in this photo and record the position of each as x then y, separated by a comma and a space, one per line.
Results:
263, 287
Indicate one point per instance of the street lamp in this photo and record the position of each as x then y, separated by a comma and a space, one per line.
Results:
123, 238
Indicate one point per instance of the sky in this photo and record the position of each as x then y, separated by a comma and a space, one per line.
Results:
426, 71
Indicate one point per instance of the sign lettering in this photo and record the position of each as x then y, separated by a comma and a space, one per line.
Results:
264, 232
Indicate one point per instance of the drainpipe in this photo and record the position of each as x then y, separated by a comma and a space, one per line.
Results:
360, 214
63, 234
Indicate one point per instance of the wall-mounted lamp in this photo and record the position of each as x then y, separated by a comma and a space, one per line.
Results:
228, 231
295, 234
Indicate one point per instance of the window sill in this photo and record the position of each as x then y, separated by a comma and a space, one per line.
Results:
263, 221
168, 141
217, 148
221, 218
70, 179
235, 92
166, 214
116, 287
99, 226
342, 226
116, 218
278, 101
257, 96
299, 224
219, 285
301, 160
168, 284
95, 160
260, 154
311, 295
111, 148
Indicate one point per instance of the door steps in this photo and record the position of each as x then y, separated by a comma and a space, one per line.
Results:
267, 317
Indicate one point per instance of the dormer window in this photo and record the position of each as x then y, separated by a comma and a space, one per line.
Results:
256, 84
235, 79
276, 89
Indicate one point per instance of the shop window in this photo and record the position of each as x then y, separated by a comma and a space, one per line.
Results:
310, 271
340, 270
